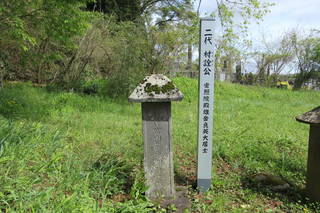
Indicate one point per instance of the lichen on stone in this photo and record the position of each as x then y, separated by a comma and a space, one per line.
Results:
311, 117
167, 87
156, 88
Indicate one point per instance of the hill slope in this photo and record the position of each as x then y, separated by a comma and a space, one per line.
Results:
69, 152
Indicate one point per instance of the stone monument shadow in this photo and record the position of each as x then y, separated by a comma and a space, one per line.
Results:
286, 193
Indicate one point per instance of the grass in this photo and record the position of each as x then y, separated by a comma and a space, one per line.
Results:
66, 152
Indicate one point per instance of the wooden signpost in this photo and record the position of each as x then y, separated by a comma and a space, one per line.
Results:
206, 100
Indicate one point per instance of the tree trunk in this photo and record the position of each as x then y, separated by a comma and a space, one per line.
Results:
189, 62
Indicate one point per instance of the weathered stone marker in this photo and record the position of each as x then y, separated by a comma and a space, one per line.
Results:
313, 167
155, 94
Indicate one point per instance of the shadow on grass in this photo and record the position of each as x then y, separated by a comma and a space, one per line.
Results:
291, 195
182, 179
273, 187
185, 170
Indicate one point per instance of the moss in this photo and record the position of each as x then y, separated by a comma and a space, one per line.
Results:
152, 88
167, 87
143, 81
159, 89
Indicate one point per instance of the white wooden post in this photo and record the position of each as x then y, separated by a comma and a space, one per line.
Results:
206, 101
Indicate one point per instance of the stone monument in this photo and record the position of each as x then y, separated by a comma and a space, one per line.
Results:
155, 94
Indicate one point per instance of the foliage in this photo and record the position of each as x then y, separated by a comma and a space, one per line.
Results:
22, 101
273, 57
125, 10
235, 17
64, 45
130, 57
70, 43
37, 34
249, 79
174, 33
124, 52
307, 51
135, 10
229, 11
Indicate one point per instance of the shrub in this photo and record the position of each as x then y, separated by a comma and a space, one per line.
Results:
21, 100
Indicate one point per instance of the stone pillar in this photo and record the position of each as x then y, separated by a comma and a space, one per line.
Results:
155, 94
313, 168
158, 163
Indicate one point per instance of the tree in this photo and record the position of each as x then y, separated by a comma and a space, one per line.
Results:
181, 21
124, 10
36, 34
307, 52
280, 53
271, 63
134, 10
272, 57
50, 41
235, 16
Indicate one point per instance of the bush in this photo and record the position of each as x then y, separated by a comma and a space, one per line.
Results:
129, 58
21, 100
37, 35
95, 87
111, 59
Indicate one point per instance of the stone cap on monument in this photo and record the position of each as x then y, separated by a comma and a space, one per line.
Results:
311, 117
156, 88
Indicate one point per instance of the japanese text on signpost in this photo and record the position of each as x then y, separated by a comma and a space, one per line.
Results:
206, 91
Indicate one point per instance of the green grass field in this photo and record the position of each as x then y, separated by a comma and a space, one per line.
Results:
67, 152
